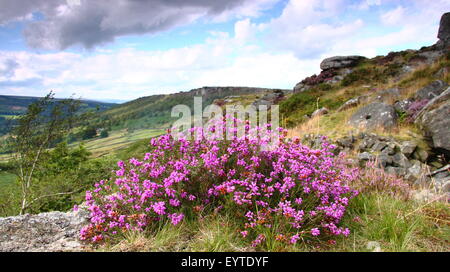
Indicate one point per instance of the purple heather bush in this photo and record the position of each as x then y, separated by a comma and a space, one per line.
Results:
414, 108
324, 76
289, 193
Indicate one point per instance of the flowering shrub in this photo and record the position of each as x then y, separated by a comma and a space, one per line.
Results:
415, 108
375, 180
324, 76
289, 193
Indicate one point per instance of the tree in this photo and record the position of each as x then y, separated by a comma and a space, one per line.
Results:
45, 123
104, 134
89, 133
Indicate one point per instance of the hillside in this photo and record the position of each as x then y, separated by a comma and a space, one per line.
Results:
154, 111
12, 106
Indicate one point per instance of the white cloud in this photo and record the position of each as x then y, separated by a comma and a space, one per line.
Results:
393, 17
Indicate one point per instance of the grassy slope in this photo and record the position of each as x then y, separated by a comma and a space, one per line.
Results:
395, 224
155, 111
334, 124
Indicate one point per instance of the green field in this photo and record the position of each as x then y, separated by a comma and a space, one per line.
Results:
6, 179
118, 140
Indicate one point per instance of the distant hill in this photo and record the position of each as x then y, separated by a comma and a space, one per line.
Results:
13, 106
154, 111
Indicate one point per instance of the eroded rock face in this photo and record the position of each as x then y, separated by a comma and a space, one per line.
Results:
436, 124
432, 90
375, 115
340, 62
444, 28
52, 231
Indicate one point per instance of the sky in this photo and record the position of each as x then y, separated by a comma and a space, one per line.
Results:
126, 49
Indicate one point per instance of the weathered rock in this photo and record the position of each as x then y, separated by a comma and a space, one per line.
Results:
270, 98
300, 87
444, 28
403, 105
388, 150
388, 96
421, 155
398, 171
384, 160
346, 142
52, 231
353, 103
432, 90
365, 156
378, 146
375, 115
320, 112
340, 62
436, 125
400, 160
408, 148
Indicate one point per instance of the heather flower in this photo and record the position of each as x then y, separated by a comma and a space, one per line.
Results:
290, 186
315, 232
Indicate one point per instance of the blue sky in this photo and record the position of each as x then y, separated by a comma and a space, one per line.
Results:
125, 49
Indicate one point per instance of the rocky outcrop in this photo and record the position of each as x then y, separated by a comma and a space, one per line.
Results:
340, 62
401, 158
320, 112
270, 98
353, 103
434, 120
431, 91
436, 125
444, 29
52, 231
375, 115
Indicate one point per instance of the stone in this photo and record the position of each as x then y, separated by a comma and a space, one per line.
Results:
365, 156
436, 126
378, 146
398, 171
320, 112
432, 90
401, 160
388, 96
373, 116
353, 103
408, 148
417, 169
52, 231
300, 87
403, 105
421, 155
346, 141
444, 28
340, 62
388, 150
384, 160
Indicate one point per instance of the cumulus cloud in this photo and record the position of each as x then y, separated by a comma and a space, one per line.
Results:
91, 23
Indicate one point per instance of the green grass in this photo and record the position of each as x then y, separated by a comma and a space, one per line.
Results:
118, 140
393, 224
6, 179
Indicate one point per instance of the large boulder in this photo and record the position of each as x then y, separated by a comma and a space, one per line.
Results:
444, 28
340, 62
353, 103
375, 115
432, 90
436, 125
52, 231
320, 112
